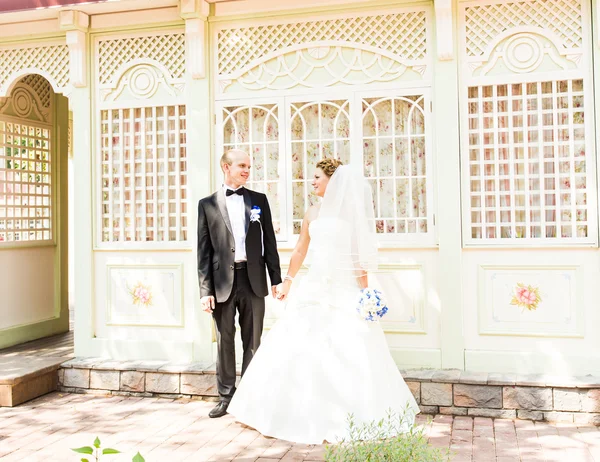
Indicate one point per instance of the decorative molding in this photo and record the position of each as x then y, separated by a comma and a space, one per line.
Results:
76, 41
402, 34
412, 288
143, 79
73, 20
195, 13
524, 53
76, 25
41, 87
484, 22
195, 47
523, 50
192, 9
559, 313
342, 64
444, 30
25, 103
166, 285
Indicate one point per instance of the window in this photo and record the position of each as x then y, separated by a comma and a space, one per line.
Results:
144, 174
255, 129
528, 176
395, 162
317, 130
288, 136
25, 182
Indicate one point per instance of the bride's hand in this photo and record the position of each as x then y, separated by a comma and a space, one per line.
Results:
362, 279
283, 290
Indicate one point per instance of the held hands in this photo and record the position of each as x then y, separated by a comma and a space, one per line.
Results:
208, 303
283, 290
279, 292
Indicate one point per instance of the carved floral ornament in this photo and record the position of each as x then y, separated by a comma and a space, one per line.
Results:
335, 64
525, 51
321, 53
143, 79
522, 36
140, 66
24, 103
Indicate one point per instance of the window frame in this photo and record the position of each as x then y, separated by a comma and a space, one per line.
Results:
97, 165
354, 96
591, 168
416, 240
51, 128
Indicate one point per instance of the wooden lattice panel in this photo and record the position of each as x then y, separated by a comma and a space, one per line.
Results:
41, 86
527, 162
144, 174
53, 59
167, 49
484, 23
25, 182
395, 162
401, 34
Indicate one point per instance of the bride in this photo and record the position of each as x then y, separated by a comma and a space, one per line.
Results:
322, 361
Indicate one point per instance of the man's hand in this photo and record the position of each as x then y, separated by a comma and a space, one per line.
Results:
274, 291
283, 290
208, 303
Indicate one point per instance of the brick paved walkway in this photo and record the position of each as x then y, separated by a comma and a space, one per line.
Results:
174, 430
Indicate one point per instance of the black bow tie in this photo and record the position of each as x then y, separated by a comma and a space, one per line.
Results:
238, 191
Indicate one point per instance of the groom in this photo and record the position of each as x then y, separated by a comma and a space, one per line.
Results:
236, 241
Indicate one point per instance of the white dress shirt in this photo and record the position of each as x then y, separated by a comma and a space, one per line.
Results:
237, 216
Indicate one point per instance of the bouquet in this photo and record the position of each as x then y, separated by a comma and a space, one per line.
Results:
371, 305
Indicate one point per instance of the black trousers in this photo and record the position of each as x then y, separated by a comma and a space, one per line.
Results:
251, 316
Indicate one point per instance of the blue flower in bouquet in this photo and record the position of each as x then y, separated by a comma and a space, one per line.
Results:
371, 305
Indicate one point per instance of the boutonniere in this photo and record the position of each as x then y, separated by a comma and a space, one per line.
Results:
255, 213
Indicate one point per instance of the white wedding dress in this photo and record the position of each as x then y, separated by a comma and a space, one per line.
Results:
321, 361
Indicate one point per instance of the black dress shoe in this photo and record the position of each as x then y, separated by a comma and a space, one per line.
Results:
219, 410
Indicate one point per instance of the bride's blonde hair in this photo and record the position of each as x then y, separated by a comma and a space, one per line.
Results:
329, 165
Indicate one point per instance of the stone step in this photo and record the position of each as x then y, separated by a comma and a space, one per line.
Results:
452, 392
24, 377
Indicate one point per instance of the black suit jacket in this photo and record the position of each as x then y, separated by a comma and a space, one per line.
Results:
216, 246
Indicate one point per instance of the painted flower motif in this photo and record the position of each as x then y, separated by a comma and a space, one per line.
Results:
141, 294
526, 297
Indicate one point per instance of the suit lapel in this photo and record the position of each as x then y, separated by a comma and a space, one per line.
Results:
248, 207
223, 209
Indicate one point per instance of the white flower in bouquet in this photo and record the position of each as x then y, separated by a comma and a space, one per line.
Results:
371, 305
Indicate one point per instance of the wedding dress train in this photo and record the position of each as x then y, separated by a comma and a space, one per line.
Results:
321, 361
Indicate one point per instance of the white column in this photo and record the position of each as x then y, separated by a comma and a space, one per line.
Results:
199, 150
76, 25
80, 104
79, 94
446, 100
